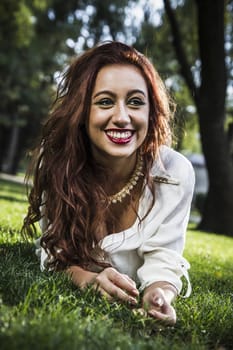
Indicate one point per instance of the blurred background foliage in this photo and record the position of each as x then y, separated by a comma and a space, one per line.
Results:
189, 41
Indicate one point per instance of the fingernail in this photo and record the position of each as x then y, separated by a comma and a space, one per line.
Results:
152, 313
158, 302
135, 291
133, 301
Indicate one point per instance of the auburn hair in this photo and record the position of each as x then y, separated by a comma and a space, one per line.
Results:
66, 190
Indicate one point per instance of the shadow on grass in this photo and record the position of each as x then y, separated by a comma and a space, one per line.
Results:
13, 199
19, 268
13, 187
218, 279
202, 319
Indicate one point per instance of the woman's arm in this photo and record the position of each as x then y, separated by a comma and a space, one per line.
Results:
80, 277
157, 299
108, 282
162, 249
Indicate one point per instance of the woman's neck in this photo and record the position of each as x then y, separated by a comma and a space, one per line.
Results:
118, 171
122, 169
130, 185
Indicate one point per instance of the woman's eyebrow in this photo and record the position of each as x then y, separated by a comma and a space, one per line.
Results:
136, 91
106, 92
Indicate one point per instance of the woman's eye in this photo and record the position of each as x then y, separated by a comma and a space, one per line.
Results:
105, 102
136, 102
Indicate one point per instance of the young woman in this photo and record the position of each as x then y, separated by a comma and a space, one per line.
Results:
112, 197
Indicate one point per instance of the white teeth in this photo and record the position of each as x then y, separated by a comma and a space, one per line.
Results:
119, 135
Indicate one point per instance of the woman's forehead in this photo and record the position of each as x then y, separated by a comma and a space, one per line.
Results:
119, 76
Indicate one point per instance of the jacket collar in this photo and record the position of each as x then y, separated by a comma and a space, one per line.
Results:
161, 175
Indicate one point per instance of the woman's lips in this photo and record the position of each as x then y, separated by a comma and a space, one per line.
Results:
119, 137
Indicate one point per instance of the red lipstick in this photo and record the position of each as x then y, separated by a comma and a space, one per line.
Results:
119, 136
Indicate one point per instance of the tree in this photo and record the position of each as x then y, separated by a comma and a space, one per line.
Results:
210, 101
37, 39
154, 39
24, 88
189, 46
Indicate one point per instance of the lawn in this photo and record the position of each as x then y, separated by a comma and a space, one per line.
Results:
45, 311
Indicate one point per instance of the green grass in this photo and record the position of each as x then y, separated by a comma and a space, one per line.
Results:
45, 311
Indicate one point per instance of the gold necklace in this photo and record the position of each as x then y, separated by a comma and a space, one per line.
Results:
119, 196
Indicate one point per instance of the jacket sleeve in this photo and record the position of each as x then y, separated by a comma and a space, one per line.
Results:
41, 254
40, 251
162, 249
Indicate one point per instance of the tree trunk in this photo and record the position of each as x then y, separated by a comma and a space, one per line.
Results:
9, 165
218, 209
4, 137
217, 215
230, 139
210, 100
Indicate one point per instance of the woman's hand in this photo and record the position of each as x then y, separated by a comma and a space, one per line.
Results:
157, 300
115, 285
109, 282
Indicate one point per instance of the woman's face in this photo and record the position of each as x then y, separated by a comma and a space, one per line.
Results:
119, 113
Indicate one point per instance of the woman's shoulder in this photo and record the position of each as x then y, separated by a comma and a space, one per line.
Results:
172, 165
172, 159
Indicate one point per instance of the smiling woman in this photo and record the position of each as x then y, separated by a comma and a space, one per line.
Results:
112, 197
119, 116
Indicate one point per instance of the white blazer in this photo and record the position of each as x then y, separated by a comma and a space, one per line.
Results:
152, 251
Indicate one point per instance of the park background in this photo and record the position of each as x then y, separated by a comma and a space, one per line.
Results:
190, 43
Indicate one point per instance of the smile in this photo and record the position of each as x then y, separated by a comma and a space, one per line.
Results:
119, 137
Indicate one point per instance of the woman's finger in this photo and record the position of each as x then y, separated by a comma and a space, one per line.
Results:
168, 319
120, 294
116, 285
130, 280
158, 301
123, 282
103, 292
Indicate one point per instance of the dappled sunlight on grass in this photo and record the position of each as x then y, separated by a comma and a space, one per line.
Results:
46, 311
209, 244
13, 205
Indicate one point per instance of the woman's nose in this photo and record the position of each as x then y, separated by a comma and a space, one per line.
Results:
121, 115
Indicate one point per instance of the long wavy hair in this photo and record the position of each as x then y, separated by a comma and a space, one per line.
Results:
67, 190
